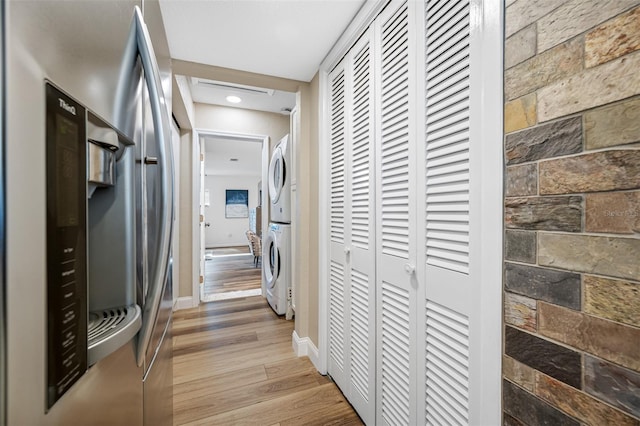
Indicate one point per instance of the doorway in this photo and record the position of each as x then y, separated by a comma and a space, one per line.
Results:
232, 196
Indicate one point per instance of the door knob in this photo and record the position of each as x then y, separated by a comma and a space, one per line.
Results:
207, 224
409, 268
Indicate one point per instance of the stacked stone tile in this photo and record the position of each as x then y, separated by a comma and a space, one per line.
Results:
572, 213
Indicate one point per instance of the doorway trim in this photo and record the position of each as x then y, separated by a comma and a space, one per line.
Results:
198, 197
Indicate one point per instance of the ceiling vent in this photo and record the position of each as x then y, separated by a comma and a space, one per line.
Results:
231, 86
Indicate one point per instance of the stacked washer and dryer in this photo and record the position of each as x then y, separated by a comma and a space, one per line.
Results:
277, 246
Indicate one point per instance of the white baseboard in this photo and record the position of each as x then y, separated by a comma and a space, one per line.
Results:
303, 346
186, 302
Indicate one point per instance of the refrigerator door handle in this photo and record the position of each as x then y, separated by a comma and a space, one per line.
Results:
139, 43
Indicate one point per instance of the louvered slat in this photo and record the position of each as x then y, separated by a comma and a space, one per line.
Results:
361, 140
395, 355
336, 311
337, 138
447, 134
394, 116
360, 333
447, 366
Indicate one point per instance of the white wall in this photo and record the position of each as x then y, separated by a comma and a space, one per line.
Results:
227, 232
236, 120
306, 213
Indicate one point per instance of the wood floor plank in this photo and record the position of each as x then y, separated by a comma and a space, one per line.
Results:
324, 398
202, 367
217, 383
262, 316
215, 343
224, 309
234, 273
235, 366
216, 251
261, 329
253, 314
254, 318
341, 414
220, 304
264, 340
232, 399
283, 368
251, 352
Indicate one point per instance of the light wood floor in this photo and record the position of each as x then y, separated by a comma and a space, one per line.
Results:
226, 274
234, 365
215, 251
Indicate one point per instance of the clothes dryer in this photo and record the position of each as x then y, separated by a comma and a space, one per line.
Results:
277, 264
280, 182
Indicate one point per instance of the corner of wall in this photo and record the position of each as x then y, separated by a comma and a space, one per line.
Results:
307, 186
304, 346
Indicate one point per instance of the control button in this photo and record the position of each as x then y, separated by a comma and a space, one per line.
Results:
68, 339
69, 316
68, 293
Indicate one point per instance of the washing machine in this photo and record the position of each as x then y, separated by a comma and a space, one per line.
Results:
276, 259
280, 182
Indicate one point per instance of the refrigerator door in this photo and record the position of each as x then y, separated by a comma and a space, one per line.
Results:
158, 380
3, 357
79, 46
155, 204
155, 209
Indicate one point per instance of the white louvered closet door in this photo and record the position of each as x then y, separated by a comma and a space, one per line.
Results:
352, 285
448, 304
396, 186
339, 294
361, 251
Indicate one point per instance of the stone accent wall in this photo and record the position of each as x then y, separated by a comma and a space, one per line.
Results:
572, 213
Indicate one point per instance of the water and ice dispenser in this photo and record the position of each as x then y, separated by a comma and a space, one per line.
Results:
91, 241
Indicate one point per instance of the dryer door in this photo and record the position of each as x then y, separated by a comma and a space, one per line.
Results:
272, 255
277, 175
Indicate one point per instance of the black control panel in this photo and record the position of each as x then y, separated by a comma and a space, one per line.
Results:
66, 243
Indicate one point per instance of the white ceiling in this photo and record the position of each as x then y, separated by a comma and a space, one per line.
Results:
282, 38
279, 38
220, 151
215, 92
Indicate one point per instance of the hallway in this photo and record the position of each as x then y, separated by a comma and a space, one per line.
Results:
234, 364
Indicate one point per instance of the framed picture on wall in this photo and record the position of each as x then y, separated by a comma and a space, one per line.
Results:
237, 203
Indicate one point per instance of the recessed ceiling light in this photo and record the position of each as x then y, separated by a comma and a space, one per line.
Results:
233, 99
233, 159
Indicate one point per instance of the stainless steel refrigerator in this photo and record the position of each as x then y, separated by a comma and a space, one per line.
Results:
89, 213
3, 339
